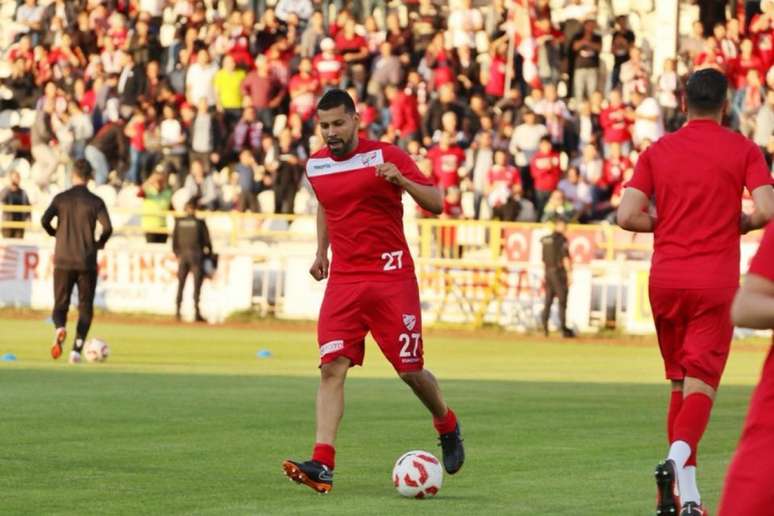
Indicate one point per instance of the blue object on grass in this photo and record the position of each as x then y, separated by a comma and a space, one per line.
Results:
8, 357
263, 353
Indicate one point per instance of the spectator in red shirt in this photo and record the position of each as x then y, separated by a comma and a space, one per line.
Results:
762, 30
447, 159
615, 120
615, 168
746, 61
304, 87
352, 47
500, 179
404, 113
328, 66
546, 172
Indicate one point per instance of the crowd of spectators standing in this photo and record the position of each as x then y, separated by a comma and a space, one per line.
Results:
518, 113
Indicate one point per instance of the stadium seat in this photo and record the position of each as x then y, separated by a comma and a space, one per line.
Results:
5, 160
220, 223
27, 118
266, 201
304, 226
6, 135
127, 198
9, 119
301, 205
179, 199
275, 225
22, 166
108, 195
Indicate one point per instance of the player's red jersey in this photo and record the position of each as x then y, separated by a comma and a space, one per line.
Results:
364, 212
749, 485
697, 176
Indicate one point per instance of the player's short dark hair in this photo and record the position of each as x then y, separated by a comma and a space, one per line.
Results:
82, 169
335, 98
705, 91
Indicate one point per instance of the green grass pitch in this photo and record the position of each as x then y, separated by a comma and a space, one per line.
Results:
188, 420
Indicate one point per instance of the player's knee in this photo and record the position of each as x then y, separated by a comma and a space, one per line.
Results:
696, 386
412, 378
335, 370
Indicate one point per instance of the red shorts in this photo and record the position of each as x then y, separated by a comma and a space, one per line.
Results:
749, 487
389, 310
694, 331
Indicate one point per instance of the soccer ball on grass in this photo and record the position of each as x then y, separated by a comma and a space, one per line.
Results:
417, 474
96, 350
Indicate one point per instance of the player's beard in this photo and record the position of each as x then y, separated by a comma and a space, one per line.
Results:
341, 146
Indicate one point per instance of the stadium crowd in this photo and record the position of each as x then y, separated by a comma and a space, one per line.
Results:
519, 113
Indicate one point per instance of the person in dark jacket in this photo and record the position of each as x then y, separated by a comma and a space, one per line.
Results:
558, 270
191, 245
108, 149
13, 195
77, 211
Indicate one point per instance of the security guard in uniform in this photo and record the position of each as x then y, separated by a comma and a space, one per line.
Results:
558, 267
191, 244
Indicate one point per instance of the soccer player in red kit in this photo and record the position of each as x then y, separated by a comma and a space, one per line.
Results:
696, 176
372, 285
749, 485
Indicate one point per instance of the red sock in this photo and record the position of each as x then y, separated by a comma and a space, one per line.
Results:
692, 421
675, 404
447, 423
325, 454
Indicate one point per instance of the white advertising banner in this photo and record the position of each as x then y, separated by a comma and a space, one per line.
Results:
131, 279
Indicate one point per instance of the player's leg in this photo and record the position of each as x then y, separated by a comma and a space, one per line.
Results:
198, 276
705, 350
64, 281
550, 293
394, 316
183, 267
561, 294
749, 486
87, 286
666, 305
340, 335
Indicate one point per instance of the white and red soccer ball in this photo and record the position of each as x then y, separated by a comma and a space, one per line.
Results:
96, 350
417, 474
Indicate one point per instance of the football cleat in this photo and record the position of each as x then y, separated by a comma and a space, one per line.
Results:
693, 509
59, 337
453, 450
668, 502
310, 473
75, 357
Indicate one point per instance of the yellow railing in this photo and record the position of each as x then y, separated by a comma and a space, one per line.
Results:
480, 241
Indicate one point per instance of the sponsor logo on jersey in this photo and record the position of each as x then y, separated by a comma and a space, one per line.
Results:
325, 166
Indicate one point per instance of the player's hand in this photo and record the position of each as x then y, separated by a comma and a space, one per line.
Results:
390, 172
319, 269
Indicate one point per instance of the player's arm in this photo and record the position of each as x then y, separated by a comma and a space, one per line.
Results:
754, 303
763, 197
632, 213
428, 197
47, 217
319, 269
107, 227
